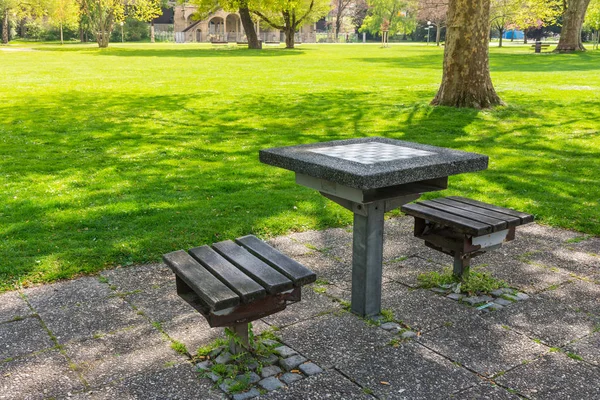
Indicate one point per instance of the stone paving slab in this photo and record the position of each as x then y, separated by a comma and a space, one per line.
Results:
406, 271
160, 304
485, 391
554, 376
13, 306
114, 357
579, 295
143, 277
408, 372
88, 319
327, 268
180, 382
554, 323
68, 294
39, 376
483, 347
587, 348
567, 260
312, 304
422, 309
291, 247
527, 277
22, 337
334, 340
327, 385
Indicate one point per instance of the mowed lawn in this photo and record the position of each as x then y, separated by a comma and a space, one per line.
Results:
115, 157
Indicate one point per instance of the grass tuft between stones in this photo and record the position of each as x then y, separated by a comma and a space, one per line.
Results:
474, 282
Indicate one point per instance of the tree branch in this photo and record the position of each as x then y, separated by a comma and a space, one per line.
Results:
299, 21
267, 20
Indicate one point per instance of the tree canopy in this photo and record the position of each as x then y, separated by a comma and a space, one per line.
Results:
398, 16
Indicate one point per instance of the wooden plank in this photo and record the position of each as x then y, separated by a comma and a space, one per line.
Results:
497, 224
295, 271
510, 220
228, 273
462, 225
273, 281
524, 217
212, 291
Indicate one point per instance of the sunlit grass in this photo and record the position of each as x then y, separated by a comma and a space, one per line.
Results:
118, 156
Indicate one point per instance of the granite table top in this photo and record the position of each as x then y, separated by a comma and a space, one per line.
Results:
373, 162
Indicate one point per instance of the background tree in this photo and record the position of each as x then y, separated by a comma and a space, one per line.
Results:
102, 16
147, 11
21, 10
289, 15
64, 13
592, 20
399, 14
244, 7
434, 11
536, 14
572, 22
466, 80
502, 16
358, 12
339, 8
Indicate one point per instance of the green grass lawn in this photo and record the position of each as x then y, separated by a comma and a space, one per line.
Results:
115, 157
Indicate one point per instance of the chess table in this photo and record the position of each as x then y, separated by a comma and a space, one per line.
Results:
370, 176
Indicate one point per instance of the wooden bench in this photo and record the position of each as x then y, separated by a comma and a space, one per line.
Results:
233, 283
219, 43
272, 43
464, 228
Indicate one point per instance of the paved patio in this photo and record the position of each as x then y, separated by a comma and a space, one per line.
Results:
109, 336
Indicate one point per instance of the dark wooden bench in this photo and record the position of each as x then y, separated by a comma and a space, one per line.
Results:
543, 45
464, 228
233, 283
219, 42
272, 43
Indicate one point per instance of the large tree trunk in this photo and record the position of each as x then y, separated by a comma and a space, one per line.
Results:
289, 37
570, 33
151, 31
438, 34
248, 24
466, 80
102, 39
5, 27
61, 35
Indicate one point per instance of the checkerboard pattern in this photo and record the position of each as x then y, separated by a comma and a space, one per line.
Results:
371, 153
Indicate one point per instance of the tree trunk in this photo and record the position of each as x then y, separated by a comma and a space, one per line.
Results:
5, 27
438, 34
466, 80
102, 39
570, 33
524, 36
151, 31
501, 32
289, 36
61, 35
248, 24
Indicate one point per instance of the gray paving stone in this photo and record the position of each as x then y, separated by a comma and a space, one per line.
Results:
591, 246
292, 362
310, 369
554, 376
191, 330
251, 376
43, 375
289, 377
204, 365
13, 306
328, 385
474, 300
88, 319
390, 326
271, 383
223, 358
456, 296
421, 309
554, 323
522, 296
144, 277
485, 391
569, 260
408, 335
160, 304
123, 354
68, 294
327, 268
250, 394
503, 302
579, 295
517, 274
501, 291
312, 304
588, 348
23, 337
270, 371
481, 346
331, 340
285, 351
159, 385
290, 247
410, 371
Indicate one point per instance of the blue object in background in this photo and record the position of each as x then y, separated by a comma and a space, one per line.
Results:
512, 34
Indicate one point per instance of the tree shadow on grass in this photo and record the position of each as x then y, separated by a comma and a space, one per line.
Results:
184, 52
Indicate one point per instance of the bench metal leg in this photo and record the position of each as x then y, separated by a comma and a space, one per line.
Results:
367, 255
241, 331
462, 265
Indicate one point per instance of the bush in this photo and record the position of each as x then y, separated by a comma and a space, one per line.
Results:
133, 31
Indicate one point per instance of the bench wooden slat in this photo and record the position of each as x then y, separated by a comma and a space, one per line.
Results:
497, 224
228, 273
524, 217
510, 220
462, 225
273, 281
298, 273
212, 291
